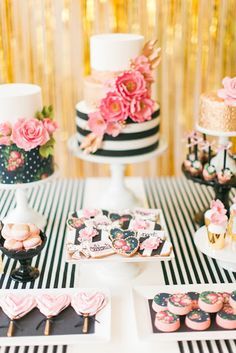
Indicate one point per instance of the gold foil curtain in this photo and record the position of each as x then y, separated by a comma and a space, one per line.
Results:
47, 42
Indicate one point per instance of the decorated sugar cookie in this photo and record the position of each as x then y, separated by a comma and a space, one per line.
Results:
101, 249
210, 301
226, 318
147, 214
138, 224
198, 320
117, 233
122, 220
180, 304
126, 247
194, 296
166, 321
160, 301
154, 246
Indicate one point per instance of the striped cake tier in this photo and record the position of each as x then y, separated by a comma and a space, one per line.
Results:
135, 139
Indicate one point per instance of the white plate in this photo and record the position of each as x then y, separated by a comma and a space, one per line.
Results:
102, 329
143, 316
115, 258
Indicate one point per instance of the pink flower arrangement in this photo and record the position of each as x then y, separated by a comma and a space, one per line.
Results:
15, 161
5, 132
128, 95
228, 93
50, 125
218, 207
29, 133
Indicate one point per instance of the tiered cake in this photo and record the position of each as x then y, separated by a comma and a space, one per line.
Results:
26, 129
117, 117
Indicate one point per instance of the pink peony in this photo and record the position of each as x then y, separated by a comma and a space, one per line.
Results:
113, 107
5, 129
29, 133
141, 109
5, 140
97, 124
131, 84
50, 125
218, 206
142, 64
113, 129
228, 93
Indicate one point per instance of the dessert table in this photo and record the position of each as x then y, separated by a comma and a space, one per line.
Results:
179, 199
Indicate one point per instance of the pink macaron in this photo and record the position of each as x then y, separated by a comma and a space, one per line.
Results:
166, 321
32, 242
6, 231
226, 318
198, 320
20, 231
210, 301
180, 304
12, 244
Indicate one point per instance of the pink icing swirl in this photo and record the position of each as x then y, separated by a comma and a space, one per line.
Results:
51, 305
17, 306
88, 303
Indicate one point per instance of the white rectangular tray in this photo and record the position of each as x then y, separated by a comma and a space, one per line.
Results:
143, 317
115, 258
102, 328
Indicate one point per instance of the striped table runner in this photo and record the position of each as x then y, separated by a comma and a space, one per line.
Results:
179, 200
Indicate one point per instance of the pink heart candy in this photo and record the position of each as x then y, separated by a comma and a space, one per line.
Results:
51, 305
88, 303
16, 306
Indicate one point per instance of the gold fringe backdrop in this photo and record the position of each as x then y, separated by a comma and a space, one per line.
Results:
47, 42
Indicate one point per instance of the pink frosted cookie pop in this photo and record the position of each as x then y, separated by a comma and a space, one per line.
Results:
180, 304
51, 305
88, 304
16, 306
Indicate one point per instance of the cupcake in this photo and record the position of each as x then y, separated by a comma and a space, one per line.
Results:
209, 172
216, 206
224, 176
217, 230
196, 168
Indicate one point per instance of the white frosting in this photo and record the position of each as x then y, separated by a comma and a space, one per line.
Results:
112, 52
215, 228
19, 100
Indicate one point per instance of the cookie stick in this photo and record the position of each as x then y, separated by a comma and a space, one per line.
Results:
50, 306
15, 307
88, 304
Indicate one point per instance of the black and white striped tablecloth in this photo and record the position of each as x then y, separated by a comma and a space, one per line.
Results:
178, 198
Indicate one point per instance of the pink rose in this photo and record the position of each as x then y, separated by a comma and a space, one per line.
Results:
29, 133
142, 64
50, 125
5, 140
228, 93
97, 124
15, 154
113, 129
113, 107
131, 84
141, 109
218, 206
5, 129
218, 218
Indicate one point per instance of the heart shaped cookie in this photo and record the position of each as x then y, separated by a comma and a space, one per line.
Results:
126, 246
88, 303
52, 305
117, 233
122, 220
17, 306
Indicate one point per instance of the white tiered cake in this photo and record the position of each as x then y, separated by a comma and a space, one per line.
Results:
111, 57
26, 142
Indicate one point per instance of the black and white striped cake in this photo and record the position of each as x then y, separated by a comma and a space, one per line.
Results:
135, 138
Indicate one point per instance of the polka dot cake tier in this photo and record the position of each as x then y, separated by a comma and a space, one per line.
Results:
26, 135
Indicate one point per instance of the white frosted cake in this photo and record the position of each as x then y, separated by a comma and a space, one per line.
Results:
117, 117
26, 129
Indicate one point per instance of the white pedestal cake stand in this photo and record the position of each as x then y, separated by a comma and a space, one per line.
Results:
23, 213
225, 257
117, 196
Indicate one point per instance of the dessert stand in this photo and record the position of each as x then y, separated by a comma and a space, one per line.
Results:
23, 213
225, 257
221, 190
117, 195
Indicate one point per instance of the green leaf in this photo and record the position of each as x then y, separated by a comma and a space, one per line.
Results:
47, 149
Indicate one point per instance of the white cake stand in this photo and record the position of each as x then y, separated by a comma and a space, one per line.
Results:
225, 257
23, 213
118, 196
